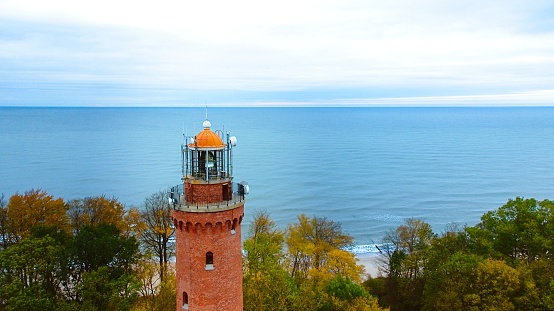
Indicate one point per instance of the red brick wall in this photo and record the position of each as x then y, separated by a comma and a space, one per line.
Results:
197, 234
204, 193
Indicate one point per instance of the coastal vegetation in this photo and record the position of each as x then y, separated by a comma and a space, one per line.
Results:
505, 262
84, 254
96, 254
302, 268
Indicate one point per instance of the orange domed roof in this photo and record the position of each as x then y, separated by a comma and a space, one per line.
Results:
207, 138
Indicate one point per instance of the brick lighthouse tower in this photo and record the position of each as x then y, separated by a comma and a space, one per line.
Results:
208, 211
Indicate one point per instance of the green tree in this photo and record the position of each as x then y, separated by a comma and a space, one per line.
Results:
451, 285
79, 258
266, 284
344, 294
521, 230
468, 282
29, 273
101, 291
496, 284
105, 246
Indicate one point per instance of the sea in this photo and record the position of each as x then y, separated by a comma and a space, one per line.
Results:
369, 168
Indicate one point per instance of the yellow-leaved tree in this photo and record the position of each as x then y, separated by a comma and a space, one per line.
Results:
312, 244
327, 275
93, 211
32, 209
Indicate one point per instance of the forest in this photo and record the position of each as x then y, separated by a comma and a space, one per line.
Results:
96, 254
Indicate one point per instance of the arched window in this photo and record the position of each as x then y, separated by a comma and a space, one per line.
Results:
209, 261
185, 301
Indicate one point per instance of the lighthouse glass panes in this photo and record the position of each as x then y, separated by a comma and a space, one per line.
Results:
206, 164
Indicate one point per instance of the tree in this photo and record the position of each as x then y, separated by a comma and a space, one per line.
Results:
410, 243
520, 230
310, 241
344, 294
451, 285
31, 209
105, 246
496, 283
4, 230
468, 282
156, 237
155, 294
406, 256
101, 291
537, 290
267, 285
29, 273
315, 256
93, 211
520, 234
453, 240
100, 275
87, 261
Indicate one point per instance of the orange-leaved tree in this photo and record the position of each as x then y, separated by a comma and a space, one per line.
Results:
31, 209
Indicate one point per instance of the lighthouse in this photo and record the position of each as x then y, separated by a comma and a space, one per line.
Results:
208, 208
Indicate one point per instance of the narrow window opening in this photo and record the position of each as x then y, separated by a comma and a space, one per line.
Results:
209, 261
185, 301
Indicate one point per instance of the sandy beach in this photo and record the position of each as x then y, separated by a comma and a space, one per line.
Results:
371, 263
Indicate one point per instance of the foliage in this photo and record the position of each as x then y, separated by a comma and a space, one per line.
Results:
158, 230
94, 211
521, 230
410, 243
33, 208
105, 246
28, 272
503, 263
101, 291
85, 255
468, 282
267, 285
406, 255
343, 294
310, 243
156, 293
59, 258
4, 230
314, 273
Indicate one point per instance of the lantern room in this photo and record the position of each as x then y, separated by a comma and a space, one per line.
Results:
207, 168
206, 157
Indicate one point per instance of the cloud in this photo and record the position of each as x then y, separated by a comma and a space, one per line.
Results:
273, 51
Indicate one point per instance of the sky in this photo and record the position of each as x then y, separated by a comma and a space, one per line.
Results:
271, 53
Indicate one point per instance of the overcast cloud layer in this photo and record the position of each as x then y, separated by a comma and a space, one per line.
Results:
183, 53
